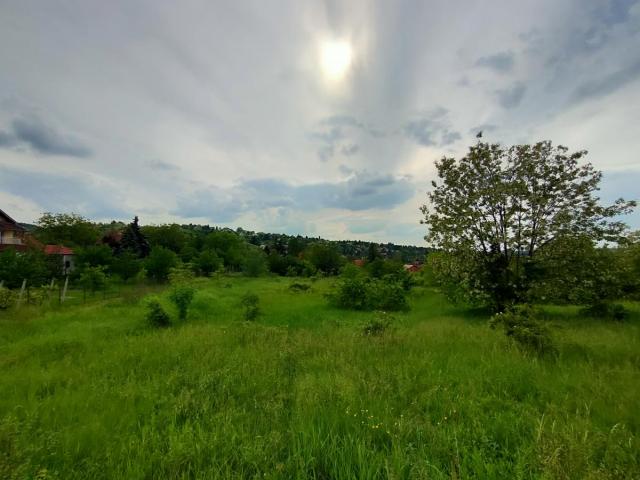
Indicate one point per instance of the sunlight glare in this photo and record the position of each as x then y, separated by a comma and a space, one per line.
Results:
335, 59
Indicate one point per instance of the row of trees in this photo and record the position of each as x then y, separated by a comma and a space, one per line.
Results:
524, 224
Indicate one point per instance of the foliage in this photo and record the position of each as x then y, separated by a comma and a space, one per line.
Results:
16, 266
364, 293
521, 325
251, 305
168, 236
94, 256
7, 298
254, 263
133, 240
207, 262
156, 315
93, 279
159, 263
606, 310
66, 229
325, 257
497, 207
299, 287
228, 246
182, 296
378, 324
126, 265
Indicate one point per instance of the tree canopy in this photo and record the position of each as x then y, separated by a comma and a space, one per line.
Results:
496, 207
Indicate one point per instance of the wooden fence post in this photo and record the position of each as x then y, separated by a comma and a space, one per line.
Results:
24, 284
64, 290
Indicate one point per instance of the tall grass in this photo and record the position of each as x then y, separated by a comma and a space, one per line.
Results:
91, 391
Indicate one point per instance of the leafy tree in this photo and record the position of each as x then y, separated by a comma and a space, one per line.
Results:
182, 296
325, 257
93, 278
255, 262
496, 207
168, 236
66, 228
229, 246
94, 256
134, 240
18, 266
207, 262
159, 263
126, 265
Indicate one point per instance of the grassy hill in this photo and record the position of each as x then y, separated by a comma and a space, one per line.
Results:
90, 391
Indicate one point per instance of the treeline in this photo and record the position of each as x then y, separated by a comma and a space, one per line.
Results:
121, 252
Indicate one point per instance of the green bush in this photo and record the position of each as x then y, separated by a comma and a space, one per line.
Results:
182, 296
299, 287
251, 305
606, 310
159, 263
521, 325
156, 315
378, 325
363, 293
93, 278
7, 298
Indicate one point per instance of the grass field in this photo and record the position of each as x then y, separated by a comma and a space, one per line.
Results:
91, 392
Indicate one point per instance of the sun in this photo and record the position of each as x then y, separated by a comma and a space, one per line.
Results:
335, 59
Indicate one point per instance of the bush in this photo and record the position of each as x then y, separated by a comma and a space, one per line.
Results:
605, 310
362, 293
159, 263
156, 315
378, 325
299, 287
7, 298
182, 296
207, 262
251, 304
520, 325
93, 278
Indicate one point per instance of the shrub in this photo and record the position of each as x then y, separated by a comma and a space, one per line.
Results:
605, 310
159, 263
251, 304
93, 278
362, 293
378, 325
207, 262
299, 287
156, 315
182, 296
520, 325
7, 298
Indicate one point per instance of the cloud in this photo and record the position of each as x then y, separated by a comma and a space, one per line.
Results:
431, 129
607, 84
42, 138
348, 150
512, 96
83, 194
362, 191
500, 62
336, 133
162, 166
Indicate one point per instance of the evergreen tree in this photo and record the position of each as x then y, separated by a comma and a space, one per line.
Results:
134, 240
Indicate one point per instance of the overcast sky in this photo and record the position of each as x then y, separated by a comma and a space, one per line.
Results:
224, 112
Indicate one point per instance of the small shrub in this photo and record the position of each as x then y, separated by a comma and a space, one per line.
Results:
378, 325
299, 287
363, 293
7, 298
156, 315
182, 296
520, 325
251, 304
604, 310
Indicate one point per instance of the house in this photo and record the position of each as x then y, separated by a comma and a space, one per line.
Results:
65, 254
12, 235
412, 267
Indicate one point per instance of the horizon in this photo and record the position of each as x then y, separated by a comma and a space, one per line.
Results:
318, 119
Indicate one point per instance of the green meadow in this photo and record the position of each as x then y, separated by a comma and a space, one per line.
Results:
90, 391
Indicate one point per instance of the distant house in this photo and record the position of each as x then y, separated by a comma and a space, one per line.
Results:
65, 254
11, 234
359, 262
413, 267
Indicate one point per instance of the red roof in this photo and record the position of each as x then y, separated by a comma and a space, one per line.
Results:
57, 250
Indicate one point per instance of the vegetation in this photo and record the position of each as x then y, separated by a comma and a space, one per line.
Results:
94, 391
496, 208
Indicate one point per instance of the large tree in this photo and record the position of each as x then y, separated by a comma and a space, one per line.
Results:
492, 210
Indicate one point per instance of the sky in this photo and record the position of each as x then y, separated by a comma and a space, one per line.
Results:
317, 118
